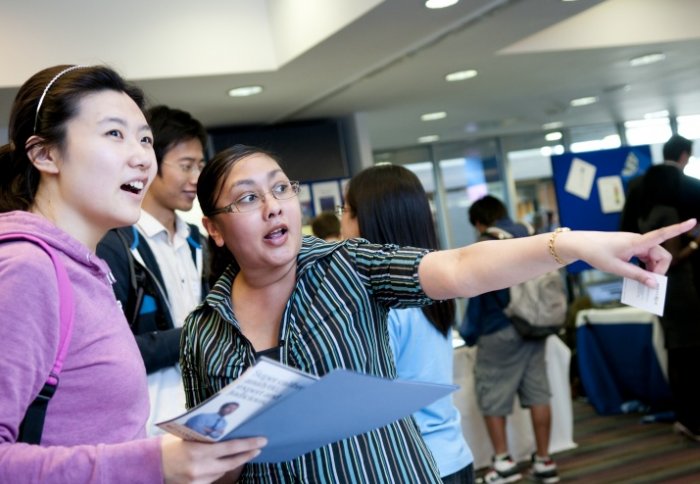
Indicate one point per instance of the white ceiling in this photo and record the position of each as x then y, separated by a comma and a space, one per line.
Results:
383, 59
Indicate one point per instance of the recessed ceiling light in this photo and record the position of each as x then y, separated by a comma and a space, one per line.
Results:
460, 75
433, 4
646, 59
657, 114
553, 136
244, 91
433, 116
583, 101
552, 125
428, 139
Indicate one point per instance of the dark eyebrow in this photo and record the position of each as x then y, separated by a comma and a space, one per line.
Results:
121, 122
247, 181
190, 159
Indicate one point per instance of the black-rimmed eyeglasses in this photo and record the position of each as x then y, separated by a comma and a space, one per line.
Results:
250, 201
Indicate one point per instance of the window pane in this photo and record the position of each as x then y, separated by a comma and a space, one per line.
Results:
689, 126
648, 131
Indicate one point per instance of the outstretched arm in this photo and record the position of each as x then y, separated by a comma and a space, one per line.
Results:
490, 265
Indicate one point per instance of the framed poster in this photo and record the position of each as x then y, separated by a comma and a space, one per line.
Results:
326, 195
307, 208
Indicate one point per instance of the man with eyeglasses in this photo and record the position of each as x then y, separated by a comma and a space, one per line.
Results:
158, 263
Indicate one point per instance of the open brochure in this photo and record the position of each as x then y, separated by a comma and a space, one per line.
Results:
298, 412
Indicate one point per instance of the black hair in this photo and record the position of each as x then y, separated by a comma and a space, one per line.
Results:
172, 126
228, 404
392, 207
326, 224
676, 146
209, 187
487, 211
19, 179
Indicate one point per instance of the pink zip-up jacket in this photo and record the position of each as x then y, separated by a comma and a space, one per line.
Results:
94, 429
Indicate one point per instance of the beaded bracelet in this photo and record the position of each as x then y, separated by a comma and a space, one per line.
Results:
552, 239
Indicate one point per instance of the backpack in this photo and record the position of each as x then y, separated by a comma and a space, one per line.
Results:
32, 424
537, 307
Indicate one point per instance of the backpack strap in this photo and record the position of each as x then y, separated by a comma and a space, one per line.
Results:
137, 280
32, 425
198, 256
141, 276
497, 233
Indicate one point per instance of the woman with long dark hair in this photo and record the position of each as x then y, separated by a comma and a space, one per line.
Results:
387, 204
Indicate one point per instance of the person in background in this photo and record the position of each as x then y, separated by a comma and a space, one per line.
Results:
158, 262
386, 204
317, 306
506, 364
78, 162
662, 195
326, 226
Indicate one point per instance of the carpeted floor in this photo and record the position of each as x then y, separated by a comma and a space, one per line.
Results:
619, 448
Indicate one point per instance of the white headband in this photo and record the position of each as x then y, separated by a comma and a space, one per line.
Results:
46, 89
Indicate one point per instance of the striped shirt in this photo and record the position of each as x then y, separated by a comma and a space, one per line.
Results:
336, 318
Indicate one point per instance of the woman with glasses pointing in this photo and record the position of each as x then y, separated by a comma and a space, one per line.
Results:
318, 306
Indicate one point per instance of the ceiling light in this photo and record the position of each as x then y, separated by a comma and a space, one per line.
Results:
552, 125
433, 116
428, 139
583, 101
553, 136
433, 4
460, 75
244, 91
657, 114
646, 59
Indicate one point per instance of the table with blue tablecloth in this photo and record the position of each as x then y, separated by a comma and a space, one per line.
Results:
621, 358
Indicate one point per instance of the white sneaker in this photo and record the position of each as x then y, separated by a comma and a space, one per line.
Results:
503, 471
544, 471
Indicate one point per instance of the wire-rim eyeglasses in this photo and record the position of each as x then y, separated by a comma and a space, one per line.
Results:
253, 200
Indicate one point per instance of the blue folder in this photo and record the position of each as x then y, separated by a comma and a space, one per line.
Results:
339, 405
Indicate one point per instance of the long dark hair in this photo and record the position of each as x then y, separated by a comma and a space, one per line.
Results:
209, 188
19, 179
391, 207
